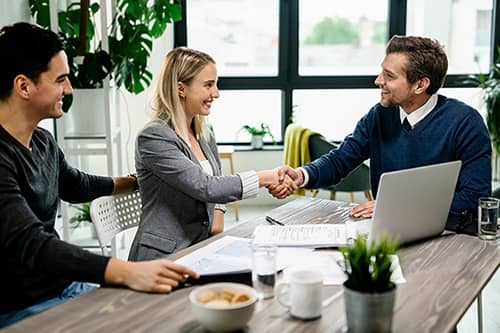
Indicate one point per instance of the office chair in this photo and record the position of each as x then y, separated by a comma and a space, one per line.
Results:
296, 152
113, 214
357, 180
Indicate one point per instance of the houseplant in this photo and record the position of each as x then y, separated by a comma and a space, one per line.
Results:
258, 134
133, 27
369, 293
490, 84
82, 216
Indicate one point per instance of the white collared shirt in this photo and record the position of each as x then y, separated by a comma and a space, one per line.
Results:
420, 113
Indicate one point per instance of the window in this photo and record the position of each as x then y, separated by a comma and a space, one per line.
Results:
315, 61
333, 113
463, 27
236, 108
238, 34
343, 38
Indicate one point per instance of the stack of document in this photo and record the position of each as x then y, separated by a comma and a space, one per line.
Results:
311, 235
229, 255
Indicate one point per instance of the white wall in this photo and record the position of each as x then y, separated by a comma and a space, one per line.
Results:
135, 112
13, 11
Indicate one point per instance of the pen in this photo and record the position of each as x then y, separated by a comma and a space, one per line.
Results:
273, 221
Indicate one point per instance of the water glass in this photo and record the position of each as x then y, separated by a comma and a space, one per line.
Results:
264, 269
488, 218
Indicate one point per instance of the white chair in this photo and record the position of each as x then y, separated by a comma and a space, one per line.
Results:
113, 214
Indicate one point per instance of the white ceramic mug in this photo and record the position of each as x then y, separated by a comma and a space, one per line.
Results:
304, 289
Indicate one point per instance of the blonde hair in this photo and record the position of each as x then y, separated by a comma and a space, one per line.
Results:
181, 65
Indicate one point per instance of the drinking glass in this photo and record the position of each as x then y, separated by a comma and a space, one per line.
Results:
488, 218
264, 269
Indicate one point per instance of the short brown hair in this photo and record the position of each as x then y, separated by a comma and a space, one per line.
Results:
426, 58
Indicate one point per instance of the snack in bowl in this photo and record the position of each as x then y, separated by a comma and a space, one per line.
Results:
225, 297
223, 307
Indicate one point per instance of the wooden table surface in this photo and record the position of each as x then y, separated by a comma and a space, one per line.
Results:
444, 275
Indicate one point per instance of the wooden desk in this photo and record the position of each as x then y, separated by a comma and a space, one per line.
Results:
444, 275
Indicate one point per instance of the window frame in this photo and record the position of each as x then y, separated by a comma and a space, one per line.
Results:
288, 78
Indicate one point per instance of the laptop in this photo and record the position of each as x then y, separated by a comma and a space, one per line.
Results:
412, 204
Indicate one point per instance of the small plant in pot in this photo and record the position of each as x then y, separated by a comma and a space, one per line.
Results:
258, 134
369, 293
82, 215
490, 85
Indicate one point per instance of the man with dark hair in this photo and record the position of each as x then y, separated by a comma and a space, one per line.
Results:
39, 270
411, 126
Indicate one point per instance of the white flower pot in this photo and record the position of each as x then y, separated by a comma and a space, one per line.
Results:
257, 141
86, 114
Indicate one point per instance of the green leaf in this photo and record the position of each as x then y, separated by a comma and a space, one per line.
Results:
490, 85
131, 32
368, 268
83, 214
40, 11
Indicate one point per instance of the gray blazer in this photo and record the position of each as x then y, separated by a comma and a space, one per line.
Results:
178, 197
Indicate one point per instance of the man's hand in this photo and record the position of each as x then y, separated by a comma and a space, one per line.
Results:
295, 175
158, 276
364, 210
289, 180
283, 189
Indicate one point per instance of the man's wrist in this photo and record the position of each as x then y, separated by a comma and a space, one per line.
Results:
303, 176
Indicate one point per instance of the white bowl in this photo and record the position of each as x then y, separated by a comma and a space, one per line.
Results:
223, 318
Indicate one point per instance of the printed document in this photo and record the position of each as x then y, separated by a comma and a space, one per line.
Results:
311, 235
230, 255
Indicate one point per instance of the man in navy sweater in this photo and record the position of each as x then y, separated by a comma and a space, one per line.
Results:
39, 270
411, 126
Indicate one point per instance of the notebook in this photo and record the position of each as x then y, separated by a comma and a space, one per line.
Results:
412, 204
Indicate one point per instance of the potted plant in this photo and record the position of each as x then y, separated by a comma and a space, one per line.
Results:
490, 84
369, 293
133, 27
82, 216
258, 134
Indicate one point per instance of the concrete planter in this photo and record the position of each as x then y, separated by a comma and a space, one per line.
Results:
367, 312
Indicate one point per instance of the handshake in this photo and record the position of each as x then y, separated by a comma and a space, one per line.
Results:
281, 181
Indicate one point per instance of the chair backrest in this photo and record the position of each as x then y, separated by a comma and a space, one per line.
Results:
113, 214
358, 180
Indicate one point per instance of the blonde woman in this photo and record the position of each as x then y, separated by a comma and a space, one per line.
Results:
178, 168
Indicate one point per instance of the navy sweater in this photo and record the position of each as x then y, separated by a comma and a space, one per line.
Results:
36, 265
452, 131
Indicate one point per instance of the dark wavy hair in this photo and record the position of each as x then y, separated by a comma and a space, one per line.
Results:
25, 49
426, 58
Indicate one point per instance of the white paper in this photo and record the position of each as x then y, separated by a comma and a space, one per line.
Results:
232, 255
327, 262
311, 235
